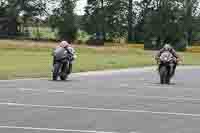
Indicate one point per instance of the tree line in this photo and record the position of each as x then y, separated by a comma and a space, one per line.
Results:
153, 22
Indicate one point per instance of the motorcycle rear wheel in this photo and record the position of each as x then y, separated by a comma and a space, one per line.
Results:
56, 69
64, 70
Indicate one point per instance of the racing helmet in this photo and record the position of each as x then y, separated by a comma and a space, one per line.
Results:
167, 47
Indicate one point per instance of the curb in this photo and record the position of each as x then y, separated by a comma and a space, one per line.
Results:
109, 72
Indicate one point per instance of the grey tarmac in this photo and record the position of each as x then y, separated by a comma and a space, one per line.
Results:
118, 101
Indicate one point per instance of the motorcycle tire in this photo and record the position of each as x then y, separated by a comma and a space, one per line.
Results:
163, 74
168, 79
63, 77
56, 69
64, 70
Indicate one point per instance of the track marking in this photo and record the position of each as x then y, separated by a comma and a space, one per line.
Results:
53, 129
130, 86
124, 85
111, 95
100, 109
42, 90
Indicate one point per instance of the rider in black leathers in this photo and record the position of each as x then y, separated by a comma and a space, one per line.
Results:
168, 47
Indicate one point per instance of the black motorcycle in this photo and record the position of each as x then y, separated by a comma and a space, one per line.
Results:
61, 62
166, 67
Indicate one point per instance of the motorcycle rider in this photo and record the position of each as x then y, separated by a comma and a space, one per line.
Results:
70, 51
169, 48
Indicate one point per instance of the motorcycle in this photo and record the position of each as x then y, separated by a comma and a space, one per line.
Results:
166, 67
61, 59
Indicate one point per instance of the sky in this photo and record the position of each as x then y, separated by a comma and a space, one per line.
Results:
80, 7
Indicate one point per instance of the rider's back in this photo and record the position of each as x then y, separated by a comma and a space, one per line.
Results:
59, 52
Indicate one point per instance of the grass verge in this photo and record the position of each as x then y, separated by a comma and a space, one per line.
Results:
27, 59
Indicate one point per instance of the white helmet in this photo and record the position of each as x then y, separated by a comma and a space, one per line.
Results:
167, 47
64, 44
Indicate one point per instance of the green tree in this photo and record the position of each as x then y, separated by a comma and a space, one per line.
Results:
191, 13
130, 21
168, 21
163, 21
64, 20
117, 18
13, 9
94, 21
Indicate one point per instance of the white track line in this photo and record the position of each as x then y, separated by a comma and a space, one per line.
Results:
41, 90
111, 95
53, 129
100, 109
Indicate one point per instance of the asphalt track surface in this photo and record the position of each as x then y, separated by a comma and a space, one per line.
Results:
129, 101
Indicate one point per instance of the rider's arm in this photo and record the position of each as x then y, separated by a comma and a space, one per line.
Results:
71, 52
158, 54
176, 55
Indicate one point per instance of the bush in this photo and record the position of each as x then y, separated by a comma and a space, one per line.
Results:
153, 44
180, 45
67, 33
95, 42
79, 42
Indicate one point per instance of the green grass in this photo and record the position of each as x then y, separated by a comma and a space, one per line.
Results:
190, 58
23, 63
33, 59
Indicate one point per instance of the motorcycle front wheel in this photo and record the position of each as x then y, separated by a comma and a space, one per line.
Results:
163, 74
64, 74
